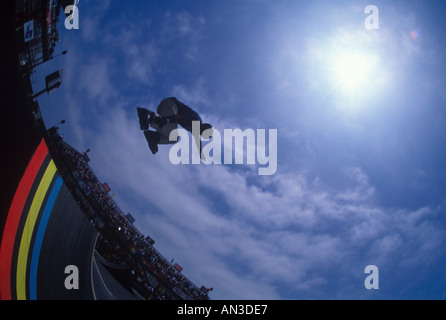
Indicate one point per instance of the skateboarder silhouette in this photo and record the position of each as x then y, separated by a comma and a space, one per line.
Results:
170, 113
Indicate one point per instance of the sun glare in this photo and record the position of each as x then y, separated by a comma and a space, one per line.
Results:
352, 70
349, 68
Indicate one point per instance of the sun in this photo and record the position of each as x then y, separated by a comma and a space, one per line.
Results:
349, 68
352, 70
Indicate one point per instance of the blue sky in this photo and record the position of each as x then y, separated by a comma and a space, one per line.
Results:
360, 118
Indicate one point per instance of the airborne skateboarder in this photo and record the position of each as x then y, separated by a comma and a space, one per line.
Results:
170, 113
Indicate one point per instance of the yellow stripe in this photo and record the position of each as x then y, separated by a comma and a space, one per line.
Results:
29, 228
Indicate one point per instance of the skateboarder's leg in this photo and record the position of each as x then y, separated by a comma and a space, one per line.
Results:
164, 132
145, 117
153, 139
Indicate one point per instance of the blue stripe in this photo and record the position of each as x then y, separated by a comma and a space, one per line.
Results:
39, 238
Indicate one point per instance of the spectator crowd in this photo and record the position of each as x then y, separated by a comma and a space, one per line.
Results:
120, 241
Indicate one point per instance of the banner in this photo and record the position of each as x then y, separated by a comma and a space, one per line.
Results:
178, 267
28, 28
106, 187
49, 18
130, 218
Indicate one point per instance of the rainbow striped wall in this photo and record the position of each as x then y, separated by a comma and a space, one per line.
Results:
25, 226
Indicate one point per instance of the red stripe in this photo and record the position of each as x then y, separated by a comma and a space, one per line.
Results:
14, 214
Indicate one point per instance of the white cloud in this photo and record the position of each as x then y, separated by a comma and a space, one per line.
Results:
192, 95
90, 26
184, 31
138, 46
361, 191
94, 78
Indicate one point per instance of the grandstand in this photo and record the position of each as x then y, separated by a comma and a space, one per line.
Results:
58, 211
120, 242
